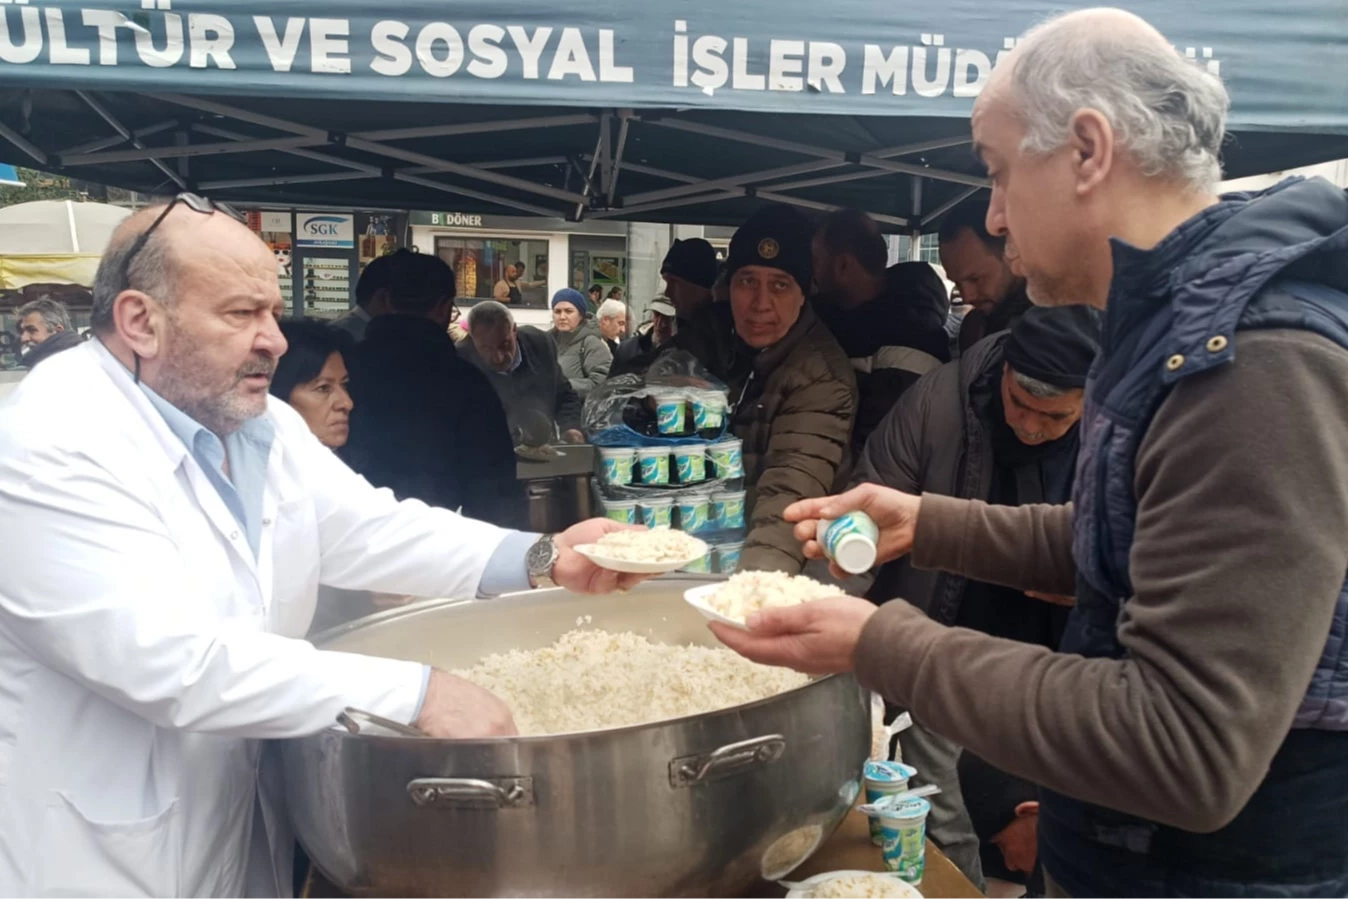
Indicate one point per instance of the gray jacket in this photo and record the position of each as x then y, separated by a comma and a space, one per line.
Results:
583, 355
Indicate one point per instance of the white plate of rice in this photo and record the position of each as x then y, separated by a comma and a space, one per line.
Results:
844, 884
733, 601
639, 551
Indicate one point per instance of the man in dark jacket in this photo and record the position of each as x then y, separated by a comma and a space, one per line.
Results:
426, 424
977, 262
792, 391
521, 365
1190, 738
659, 331
890, 323
998, 425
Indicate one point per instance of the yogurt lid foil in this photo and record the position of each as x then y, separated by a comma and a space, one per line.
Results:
911, 809
888, 772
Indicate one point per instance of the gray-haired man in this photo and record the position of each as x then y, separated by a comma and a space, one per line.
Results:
45, 330
1192, 735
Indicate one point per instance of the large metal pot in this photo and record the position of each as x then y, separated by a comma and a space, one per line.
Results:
684, 807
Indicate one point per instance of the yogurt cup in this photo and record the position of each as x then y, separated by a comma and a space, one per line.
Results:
727, 509
904, 840
619, 463
728, 557
727, 458
700, 565
653, 465
850, 541
709, 412
657, 513
691, 462
624, 511
671, 412
884, 779
693, 512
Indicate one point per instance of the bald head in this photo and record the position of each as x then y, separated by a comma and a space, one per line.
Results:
1167, 114
179, 244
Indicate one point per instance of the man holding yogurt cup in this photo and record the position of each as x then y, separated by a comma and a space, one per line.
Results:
1191, 738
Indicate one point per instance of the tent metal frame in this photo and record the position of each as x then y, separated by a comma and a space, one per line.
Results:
597, 197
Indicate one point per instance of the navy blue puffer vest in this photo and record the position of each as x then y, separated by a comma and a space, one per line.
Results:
1272, 260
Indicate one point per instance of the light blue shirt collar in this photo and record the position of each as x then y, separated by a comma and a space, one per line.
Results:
248, 451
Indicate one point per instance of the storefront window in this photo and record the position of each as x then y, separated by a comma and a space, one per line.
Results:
479, 264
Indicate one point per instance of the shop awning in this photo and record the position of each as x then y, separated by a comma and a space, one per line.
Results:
692, 111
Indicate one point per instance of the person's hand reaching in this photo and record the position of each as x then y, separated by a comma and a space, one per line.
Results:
818, 637
894, 513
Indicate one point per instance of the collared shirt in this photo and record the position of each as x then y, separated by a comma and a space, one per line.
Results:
246, 451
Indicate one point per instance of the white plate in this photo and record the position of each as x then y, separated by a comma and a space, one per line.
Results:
807, 886
697, 598
595, 554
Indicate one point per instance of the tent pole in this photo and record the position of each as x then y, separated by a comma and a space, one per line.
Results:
618, 154
589, 176
948, 205
104, 143
24, 144
126, 134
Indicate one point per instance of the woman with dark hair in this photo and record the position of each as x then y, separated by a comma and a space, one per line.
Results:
311, 377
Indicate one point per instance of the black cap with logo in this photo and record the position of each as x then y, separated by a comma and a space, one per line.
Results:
776, 236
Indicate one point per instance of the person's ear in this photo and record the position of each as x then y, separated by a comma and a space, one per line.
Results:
1091, 140
138, 319
1027, 809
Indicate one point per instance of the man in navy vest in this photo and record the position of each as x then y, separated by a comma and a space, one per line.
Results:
1191, 736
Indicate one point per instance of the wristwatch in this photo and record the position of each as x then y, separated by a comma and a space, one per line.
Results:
539, 560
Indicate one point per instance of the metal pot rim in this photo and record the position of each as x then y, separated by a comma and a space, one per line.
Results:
427, 605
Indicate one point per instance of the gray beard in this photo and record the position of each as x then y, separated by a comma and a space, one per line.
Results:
222, 411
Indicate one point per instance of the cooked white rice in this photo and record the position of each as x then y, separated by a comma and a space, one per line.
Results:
594, 680
753, 591
655, 545
884, 886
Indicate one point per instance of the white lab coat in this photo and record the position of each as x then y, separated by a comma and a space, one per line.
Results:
144, 652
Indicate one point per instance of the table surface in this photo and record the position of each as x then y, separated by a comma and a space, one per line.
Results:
849, 849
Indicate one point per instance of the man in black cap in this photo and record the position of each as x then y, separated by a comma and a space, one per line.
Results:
689, 271
999, 425
792, 390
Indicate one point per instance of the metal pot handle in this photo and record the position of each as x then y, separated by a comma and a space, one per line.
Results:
735, 758
472, 792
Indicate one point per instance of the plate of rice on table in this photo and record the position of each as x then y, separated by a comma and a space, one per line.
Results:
845, 884
734, 600
654, 551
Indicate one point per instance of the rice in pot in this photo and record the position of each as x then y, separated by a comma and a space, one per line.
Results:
596, 680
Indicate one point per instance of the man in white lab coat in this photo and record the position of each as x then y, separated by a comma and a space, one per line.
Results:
163, 531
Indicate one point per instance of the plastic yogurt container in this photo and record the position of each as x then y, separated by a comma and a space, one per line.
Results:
619, 464
694, 509
709, 413
728, 558
671, 412
727, 509
624, 511
691, 463
657, 513
653, 466
904, 840
850, 541
727, 458
884, 779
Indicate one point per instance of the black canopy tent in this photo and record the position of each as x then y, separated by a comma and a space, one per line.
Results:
253, 126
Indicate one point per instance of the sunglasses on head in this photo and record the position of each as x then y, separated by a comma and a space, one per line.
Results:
194, 202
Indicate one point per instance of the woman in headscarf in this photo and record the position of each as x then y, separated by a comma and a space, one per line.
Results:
311, 377
581, 352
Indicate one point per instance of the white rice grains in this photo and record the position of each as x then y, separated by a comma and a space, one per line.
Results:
596, 680
657, 545
753, 591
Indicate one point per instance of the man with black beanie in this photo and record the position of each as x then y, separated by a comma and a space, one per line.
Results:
689, 270
999, 425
